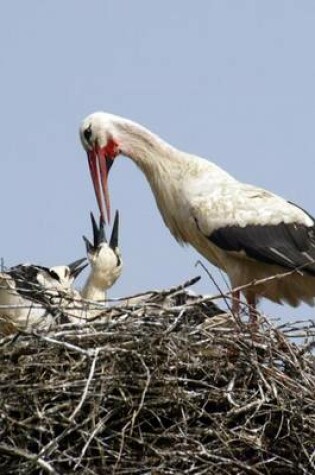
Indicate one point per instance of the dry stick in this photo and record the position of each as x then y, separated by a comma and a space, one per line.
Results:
229, 391
178, 288
53, 294
187, 392
175, 323
226, 300
162, 293
88, 382
253, 283
265, 280
69, 346
53, 443
122, 444
91, 437
147, 384
136, 413
28, 456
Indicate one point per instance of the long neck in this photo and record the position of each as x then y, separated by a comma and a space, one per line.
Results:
92, 290
153, 155
162, 163
164, 166
169, 171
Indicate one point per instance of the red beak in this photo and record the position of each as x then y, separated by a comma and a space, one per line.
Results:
100, 164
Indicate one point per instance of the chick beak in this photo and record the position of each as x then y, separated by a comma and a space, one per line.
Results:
113, 243
99, 236
76, 268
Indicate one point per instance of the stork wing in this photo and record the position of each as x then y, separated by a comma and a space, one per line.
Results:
28, 286
260, 224
26, 283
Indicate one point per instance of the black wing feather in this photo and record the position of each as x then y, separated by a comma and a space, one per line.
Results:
27, 285
289, 245
26, 282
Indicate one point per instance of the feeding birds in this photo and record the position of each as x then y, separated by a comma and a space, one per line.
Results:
38, 297
248, 232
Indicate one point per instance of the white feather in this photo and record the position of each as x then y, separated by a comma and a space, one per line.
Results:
196, 197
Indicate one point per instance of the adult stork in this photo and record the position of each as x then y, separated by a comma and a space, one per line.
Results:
248, 232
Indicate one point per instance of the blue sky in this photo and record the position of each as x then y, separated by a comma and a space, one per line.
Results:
232, 81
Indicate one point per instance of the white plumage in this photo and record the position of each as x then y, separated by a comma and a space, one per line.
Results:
37, 297
104, 259
248, 232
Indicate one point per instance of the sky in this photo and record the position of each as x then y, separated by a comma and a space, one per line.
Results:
232, 81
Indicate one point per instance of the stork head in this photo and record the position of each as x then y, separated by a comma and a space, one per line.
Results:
61, 277
104, 258
100, 138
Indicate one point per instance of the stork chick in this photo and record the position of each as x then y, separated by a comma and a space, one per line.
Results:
104, 259
33, 296
248, 232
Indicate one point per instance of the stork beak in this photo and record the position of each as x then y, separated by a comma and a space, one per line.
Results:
100, 164
76, 268
98, 231
113, 243
88, 245
99, 236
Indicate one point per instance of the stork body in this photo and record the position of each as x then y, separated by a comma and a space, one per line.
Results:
248, 232
36, 297
104, 259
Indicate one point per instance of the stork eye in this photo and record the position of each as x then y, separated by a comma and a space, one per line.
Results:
87, 134
54, 275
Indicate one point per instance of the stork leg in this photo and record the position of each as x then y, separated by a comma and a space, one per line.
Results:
236, 302
253, 317
251, 302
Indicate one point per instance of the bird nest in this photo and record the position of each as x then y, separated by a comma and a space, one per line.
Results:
162, 384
